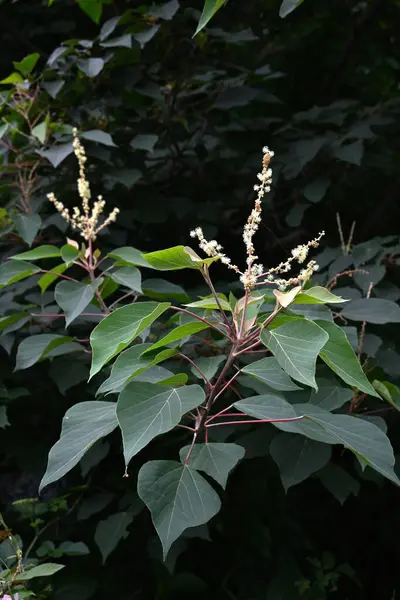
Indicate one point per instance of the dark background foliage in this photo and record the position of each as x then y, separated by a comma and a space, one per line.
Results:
187, 119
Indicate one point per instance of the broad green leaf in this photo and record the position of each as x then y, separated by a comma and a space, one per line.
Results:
10, 320
350, 153
97, 135
91, 66
146, 410
27, 64
372, 310
175, 258
93, 504
130, 277
269, 407
144, 141
73, 297
48, 278
13, 271
27, 227
119, 329
108, 27
316, 190
83, 425
288, 6
318, 295
131, 364
298, 457
44, 570
217, 460
93, 9
13, 78
178, 497
40, 131
129, 256
330, 395
57, 154
69, 254
179, 333
38, 253
210, 304
295, 346
111, 531
388, 391
160, 289
340, 357
208, 365
209, 9
268, 371
37, 347
338, 482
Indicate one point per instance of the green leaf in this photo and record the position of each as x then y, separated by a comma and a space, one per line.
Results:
208, 365
57, 154
318, 295
288, 6
13, 271
338, 482
13, 78
175, 258
179, 333
389, 392
83, 425
268, 371
340, 357
316, 190
266, 406
119, 329
209, 9
146, 410
40, 131
91, 66
73, 297
9, 320
129, 256
38, 253
37, 347
130, 277
298, 457
130, 364
372, 310
27, 227
330, 395
217, 460
160, 289
69, 254
144, 141
4, 422
93, 9
296, 346
178, 497
44, 570
97, 135
111, 531
210, 304
46, 280
350, 153
27, 64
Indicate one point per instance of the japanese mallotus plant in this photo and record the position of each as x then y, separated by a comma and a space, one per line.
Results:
260, 360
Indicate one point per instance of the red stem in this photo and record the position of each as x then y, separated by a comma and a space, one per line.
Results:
254, 421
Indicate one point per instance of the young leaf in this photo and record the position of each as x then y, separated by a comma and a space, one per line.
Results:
178, 497
209, 9
119, 329
131, 364
178, 334
298, 457
69, 254
13, 271
27, 64
47, 279
73, 297
295, 346
130, 277
40, 131
217, 460
111, 531
36, 347
38, 253
83, 425
146, 410
210, 304
318, 295
93, 9
340, 357
268, 371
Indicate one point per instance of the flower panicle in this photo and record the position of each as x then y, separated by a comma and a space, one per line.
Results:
85, 218
255, 273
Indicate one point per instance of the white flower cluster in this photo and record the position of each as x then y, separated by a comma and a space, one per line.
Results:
87, 221
255, 274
